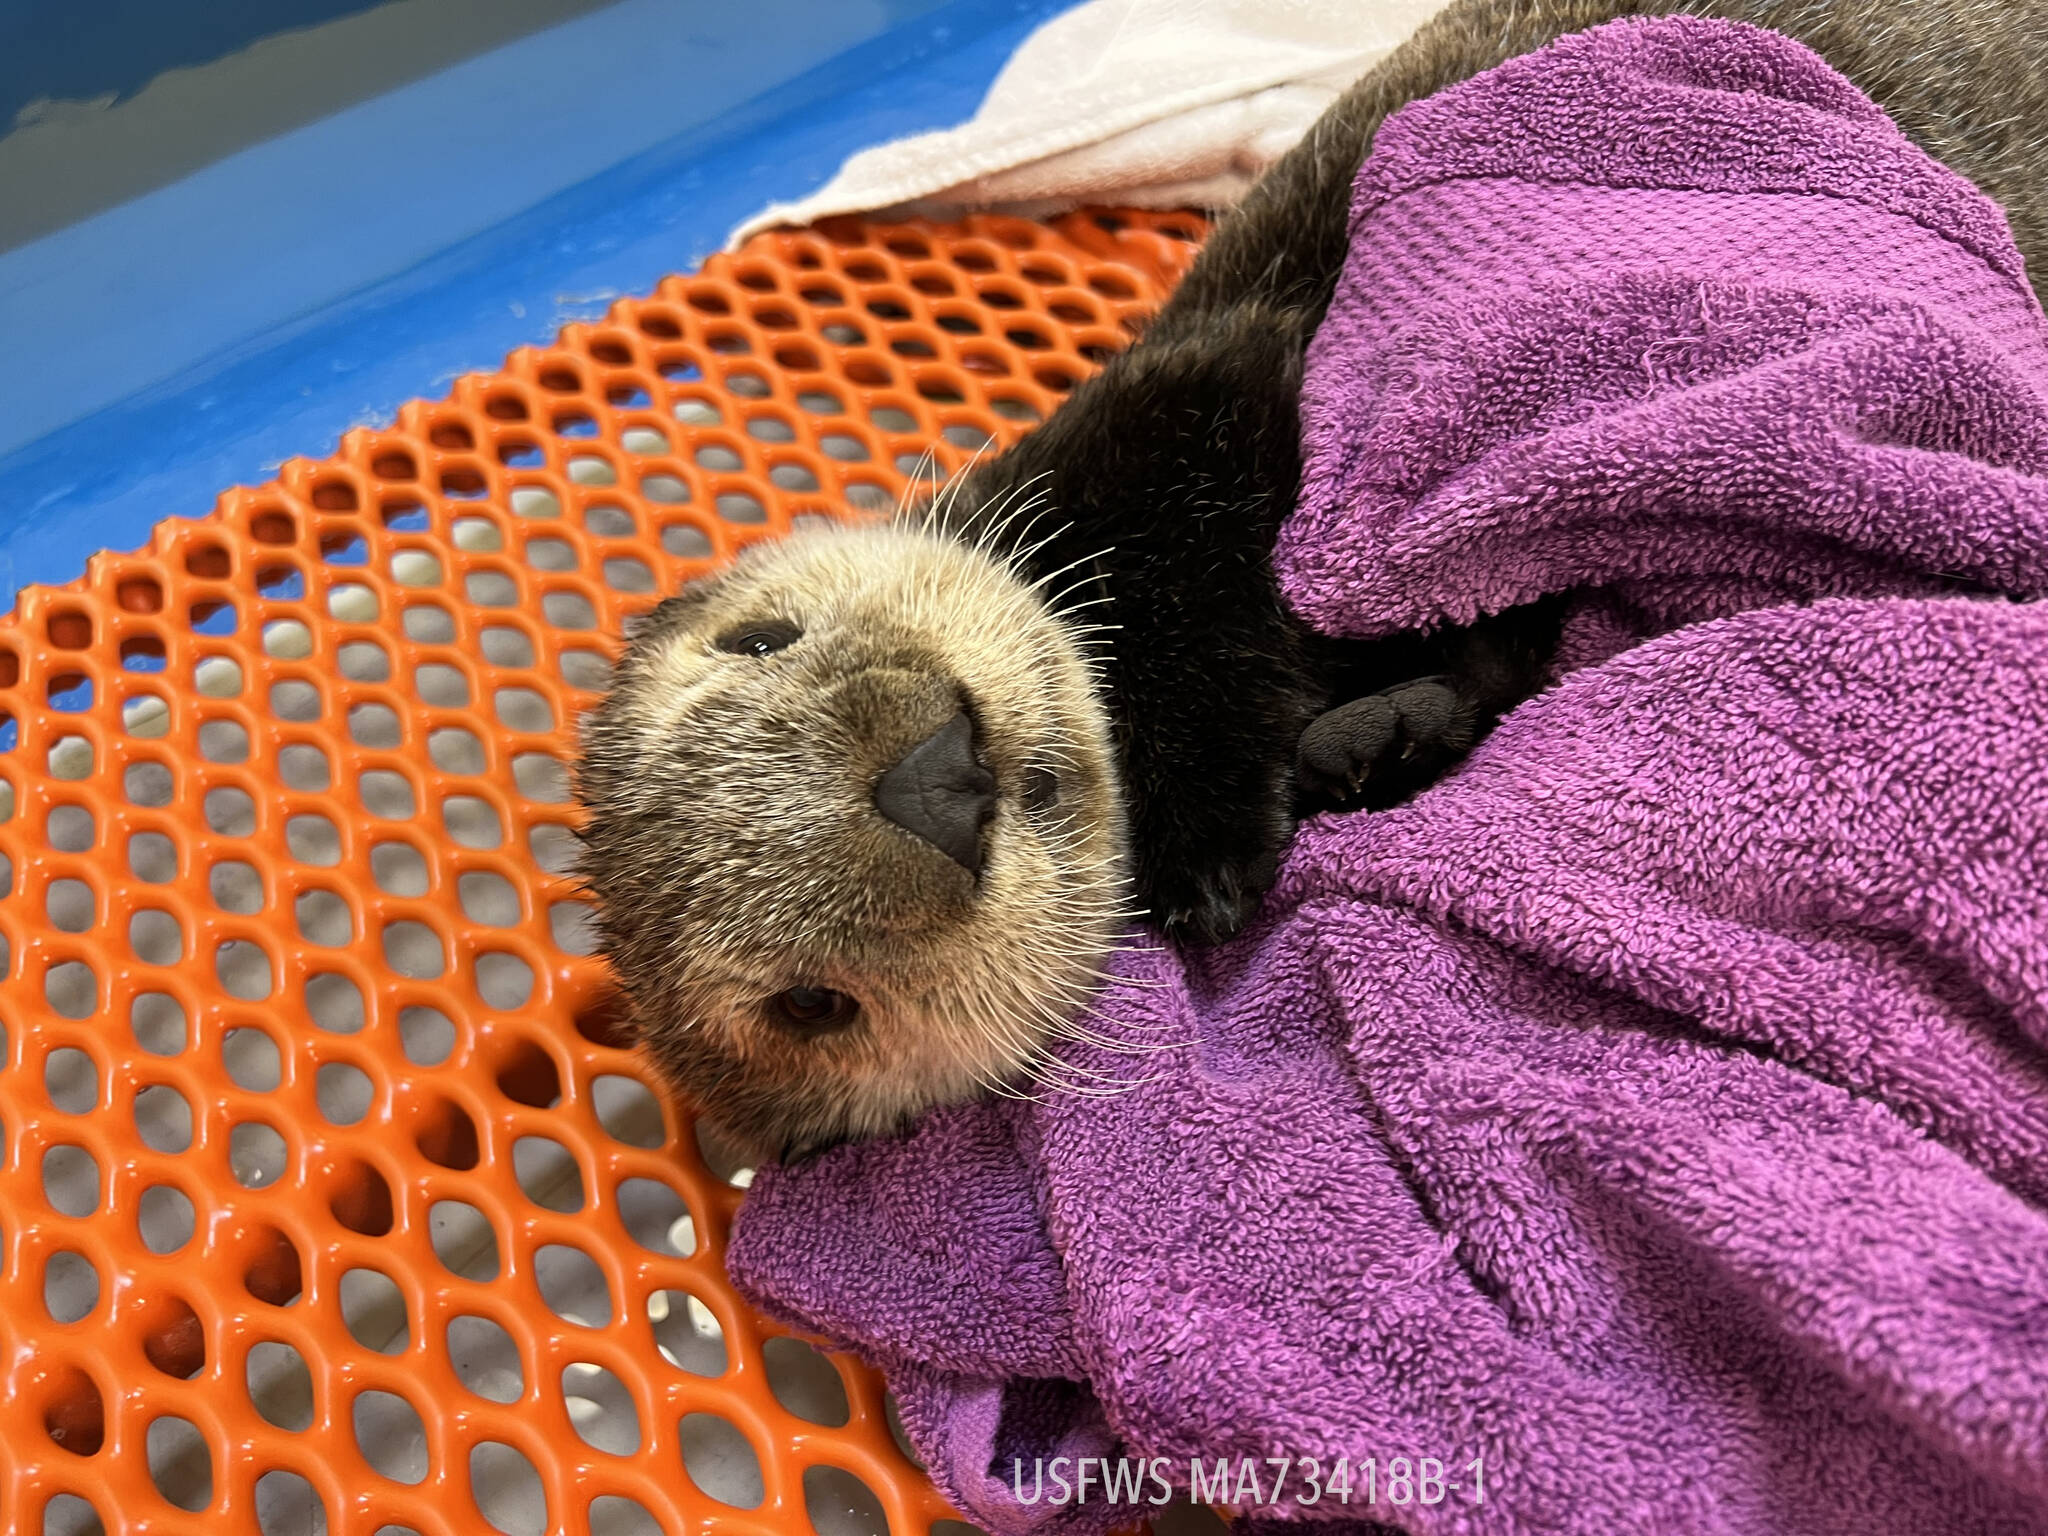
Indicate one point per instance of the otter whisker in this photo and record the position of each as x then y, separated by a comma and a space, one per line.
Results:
1133, 983
1086, 1007
1005, 513
1020, 558
1002, 1089
1107, 882
960, 476
1061, 1030
1068, 1031
926, 462
992, 516
989, 512
1051, 576
732, 781
1111, 1087
1040, 505
1053, 608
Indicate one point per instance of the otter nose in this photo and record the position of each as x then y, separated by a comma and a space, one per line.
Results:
939, 792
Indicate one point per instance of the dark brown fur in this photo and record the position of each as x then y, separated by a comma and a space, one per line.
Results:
1180, 459
1167, 476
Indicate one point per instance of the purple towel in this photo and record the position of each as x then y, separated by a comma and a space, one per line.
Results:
1654, 1113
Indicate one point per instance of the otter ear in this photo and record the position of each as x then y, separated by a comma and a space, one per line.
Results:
673, 612
637, 625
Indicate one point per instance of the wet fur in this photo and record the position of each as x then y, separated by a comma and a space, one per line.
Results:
734, 852
1180, 459
731, 845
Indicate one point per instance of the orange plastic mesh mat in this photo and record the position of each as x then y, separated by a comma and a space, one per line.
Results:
333, 1197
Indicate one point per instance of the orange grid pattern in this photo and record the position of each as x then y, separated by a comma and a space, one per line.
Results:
333, 1192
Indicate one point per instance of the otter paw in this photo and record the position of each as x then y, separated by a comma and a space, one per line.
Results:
1382, 748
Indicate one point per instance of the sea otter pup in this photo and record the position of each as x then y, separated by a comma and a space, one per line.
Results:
869, 809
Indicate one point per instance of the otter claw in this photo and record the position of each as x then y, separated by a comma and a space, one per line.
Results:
1347, 754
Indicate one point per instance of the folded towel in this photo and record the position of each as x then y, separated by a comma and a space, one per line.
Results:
1650, 1121
1146, 103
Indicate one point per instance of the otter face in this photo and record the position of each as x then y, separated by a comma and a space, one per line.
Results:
854, 835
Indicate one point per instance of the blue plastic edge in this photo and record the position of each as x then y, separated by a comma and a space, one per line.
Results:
103, 482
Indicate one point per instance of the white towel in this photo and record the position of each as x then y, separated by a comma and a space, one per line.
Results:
1148, 103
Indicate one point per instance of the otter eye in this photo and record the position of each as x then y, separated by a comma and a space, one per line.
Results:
764, 637
813, 1010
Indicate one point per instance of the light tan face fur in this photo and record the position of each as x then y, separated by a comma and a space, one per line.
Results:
735, 849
